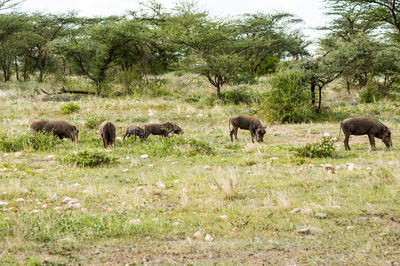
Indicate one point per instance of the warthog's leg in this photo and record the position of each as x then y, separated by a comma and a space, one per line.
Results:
346, 141
371, 140
104, 141
126, 135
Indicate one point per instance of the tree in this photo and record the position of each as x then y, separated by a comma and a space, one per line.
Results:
9, 4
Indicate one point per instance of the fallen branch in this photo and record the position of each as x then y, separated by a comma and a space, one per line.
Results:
63, 90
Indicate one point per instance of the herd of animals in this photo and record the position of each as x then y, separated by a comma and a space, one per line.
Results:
351, 126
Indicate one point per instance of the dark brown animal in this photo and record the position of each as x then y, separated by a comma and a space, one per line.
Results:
59, 128
250, 123
162, 129
134, 130
107, 132
366, 126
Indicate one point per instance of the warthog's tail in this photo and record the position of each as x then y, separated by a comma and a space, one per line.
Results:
229, 124
340, 130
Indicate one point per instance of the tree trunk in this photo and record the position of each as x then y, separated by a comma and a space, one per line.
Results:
319, 99
219, 93
348, 86
313, 92
16, 69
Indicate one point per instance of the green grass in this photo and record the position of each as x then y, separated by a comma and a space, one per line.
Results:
211, 185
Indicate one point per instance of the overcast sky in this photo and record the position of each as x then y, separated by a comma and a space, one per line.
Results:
311, 11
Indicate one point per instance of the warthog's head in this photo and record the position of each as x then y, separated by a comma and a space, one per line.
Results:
173, 128
386, 137
260, 132
74, 134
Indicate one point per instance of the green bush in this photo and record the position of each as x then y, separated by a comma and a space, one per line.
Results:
70, 108
370, 94
35, 140
242, 95
322, 149
288, 101
200, 147
94, 121
89, 158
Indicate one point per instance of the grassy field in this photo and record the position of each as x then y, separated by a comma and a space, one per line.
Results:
160, 209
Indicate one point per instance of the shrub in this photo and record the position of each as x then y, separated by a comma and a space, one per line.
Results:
322, 149
370, 94
242, 95
288, 100
70, 108
200, 147
35, 140
89, 158
94, 121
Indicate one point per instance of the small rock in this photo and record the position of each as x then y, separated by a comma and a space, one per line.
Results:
223, 217
36, 211
25, 190
235, 229
150, 165
54, 197
209, 238
144, 156
207, 167
45, 206
160, 184
66, 199
85, 191
20, 200
74, 201
119, 138
369, 168
127, 158
295, 210
51, 156
198, 234
320, 215
3, 203
74, 206
135, 221
5, 154
125, 170
57, 208
83, 210
326, 134
304, 230
76, 185
18, 154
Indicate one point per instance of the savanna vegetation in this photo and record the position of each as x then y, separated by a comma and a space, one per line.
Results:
198, 198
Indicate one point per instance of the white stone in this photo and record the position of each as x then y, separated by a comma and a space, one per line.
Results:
160, 184
197, 234
209, 238
144, 156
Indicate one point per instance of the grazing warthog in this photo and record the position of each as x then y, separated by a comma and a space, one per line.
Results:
162, 129
250, 123
107, 132
59, 128
366, 126
134, 130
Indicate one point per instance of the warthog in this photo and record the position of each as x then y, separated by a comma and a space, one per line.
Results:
162, 129
59, 128
365, 126
107, 132
250, 123
134, 130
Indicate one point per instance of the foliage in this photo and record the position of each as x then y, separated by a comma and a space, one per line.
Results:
94, 121
242, 94
288, 100
35, 140
69, 108
325, 148
89, 158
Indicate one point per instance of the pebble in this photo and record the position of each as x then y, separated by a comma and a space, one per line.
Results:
51, 156
144, 156
320, 215
304, 230
295, 210
160, 184
209, 238
223, 216
18, 154
135, 221
235, 229
207, 167
197, 234
3, 203
125, 170
20, 200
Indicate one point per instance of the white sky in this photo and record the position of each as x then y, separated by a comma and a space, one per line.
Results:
311, 11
